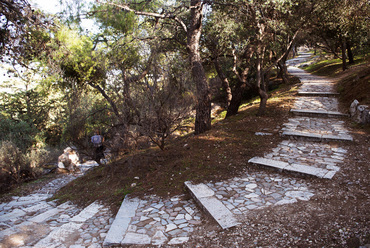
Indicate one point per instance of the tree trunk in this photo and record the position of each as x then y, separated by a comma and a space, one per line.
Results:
260, 82
283, 71
203, 108
224, 80
344, 62
236, 99
350, 54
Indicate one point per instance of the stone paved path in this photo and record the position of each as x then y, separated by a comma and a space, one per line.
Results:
305, 152
31, 221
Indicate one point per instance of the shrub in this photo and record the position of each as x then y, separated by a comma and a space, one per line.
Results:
21, 133
36, 158
12, 162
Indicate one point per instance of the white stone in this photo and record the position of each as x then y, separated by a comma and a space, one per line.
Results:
87, 213
265, 192
131, 228
177, 241
170, 227
219, 212
201, 189
14, 214
286, 201
251, 186
58, 236
61, 165
134, 238
159, 238
252, 195
268, 162
148, 210
180, 217
256, 199
94, 245
189, 210
121, 222
144, 218
301, 195
37, 207
64, 216
42, 217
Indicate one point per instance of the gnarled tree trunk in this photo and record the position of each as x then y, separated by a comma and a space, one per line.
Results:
203, 108
224, 80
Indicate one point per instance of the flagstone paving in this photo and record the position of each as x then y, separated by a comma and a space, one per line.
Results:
32, 221
316, 128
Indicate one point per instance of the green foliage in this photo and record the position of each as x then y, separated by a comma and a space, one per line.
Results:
36, 158
12, 161
114, 20
20, 133
76, 58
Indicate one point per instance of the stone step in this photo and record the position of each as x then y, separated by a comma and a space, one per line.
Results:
294, 167
316, 93
316, 136
315, 112
117, 232
59, 236
49, 213
205, 196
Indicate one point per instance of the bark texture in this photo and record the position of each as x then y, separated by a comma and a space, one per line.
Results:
203, 108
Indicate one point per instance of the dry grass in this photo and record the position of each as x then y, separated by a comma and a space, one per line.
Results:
220, 153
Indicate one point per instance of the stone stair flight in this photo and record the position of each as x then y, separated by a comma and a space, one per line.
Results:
317, 120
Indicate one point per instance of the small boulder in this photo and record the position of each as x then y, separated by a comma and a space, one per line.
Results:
359, 113
68, 160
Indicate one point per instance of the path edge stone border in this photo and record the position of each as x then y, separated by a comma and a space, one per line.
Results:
121, 222
205, 197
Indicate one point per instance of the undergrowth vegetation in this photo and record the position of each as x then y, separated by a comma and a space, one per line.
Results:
220, 153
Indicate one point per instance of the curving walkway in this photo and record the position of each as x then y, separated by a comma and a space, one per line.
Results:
32, 221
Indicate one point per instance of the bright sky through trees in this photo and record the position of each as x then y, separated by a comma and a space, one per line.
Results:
49, 6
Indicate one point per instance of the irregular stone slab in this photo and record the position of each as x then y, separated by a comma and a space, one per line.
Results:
201, 190
16, 213
159, 238
120, 224
336, 137
37, 207
59, 236
21, 203
87, 213
136, 239
212, 205
301, 195
294, 167
268, 162
314, 136
16, 229
309, 170
44, 216
315, 112
312, 93
329, 175
34, 198
177, 241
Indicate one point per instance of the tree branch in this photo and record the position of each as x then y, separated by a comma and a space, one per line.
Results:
155, 15
284, 54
